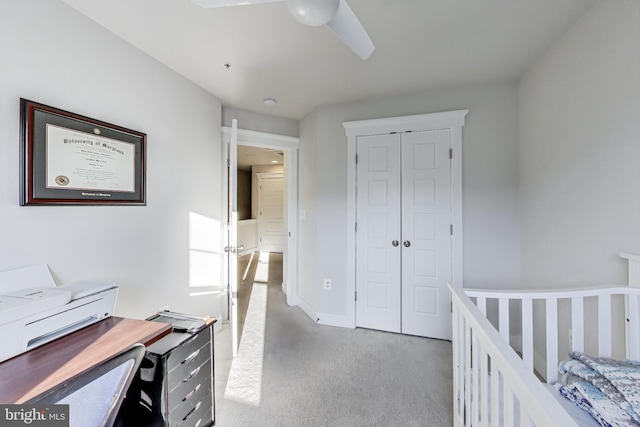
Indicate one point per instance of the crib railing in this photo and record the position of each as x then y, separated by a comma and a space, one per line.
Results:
579, 328
492, 386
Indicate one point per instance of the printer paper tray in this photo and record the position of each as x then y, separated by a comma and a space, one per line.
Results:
45, 330
30, 332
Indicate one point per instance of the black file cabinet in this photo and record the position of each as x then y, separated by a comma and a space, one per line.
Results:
174, 385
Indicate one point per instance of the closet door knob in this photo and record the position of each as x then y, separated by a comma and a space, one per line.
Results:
395, 243
407, 243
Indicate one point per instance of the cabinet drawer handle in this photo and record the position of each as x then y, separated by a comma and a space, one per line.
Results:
191, 357
192, 411
191, 393
191, 375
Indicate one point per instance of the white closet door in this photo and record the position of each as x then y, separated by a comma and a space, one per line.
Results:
378, 283
271, 213
426, 236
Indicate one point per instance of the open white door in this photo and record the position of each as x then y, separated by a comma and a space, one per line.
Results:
232, 235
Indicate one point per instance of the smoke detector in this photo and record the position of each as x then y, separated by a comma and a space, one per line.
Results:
270, 102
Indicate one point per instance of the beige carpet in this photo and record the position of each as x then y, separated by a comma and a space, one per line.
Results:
297, 373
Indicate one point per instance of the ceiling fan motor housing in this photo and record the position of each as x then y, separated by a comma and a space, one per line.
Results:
313, 12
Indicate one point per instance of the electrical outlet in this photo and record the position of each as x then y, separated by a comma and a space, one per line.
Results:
326, 284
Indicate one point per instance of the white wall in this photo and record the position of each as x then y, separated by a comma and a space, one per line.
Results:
53, 55
579, 154
490, 219
259, 122
248, 235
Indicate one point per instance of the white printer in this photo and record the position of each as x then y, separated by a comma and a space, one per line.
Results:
34, 311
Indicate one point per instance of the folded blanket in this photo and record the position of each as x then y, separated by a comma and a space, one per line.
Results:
623, 375
594, 401
608, 389
576, 397
579, 371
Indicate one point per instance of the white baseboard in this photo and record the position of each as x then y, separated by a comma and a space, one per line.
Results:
339, 320
307, 309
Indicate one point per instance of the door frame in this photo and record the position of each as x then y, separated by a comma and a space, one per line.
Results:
289, 145
452, 120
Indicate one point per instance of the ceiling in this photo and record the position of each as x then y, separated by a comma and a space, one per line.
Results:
252, 156
421, 45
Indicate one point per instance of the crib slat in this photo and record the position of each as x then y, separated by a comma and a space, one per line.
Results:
527, 332
507, 410
503, 324
495, 395
633, 339
455, 315
461, 371
577, 324
525, 421
604, 325
484, 387
529, 423
552, 340
482, 305
475, 396
467, 371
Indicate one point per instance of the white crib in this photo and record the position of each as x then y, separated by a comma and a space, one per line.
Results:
495, 385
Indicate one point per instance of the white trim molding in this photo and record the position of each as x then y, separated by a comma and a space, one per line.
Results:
328, 319
634, 268
452, 120
418, 122
253, 138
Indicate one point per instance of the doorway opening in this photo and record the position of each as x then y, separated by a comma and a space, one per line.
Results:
260, 201
264, 154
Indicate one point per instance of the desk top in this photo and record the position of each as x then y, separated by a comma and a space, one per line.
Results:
34, 372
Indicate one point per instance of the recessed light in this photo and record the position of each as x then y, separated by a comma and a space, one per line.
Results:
274, 161
270, 102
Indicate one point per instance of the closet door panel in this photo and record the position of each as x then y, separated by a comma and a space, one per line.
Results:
426, 219
378, 283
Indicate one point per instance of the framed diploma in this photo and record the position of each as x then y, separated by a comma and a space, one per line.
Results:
68, 159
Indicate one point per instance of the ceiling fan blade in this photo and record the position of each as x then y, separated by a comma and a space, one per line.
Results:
348, 28
225, 3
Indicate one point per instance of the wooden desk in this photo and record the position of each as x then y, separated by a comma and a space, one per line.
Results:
34, 372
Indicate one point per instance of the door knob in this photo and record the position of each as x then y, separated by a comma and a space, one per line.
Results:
395, 243
407, 243
234, 249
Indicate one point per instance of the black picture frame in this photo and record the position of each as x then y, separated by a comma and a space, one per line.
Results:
69, 159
